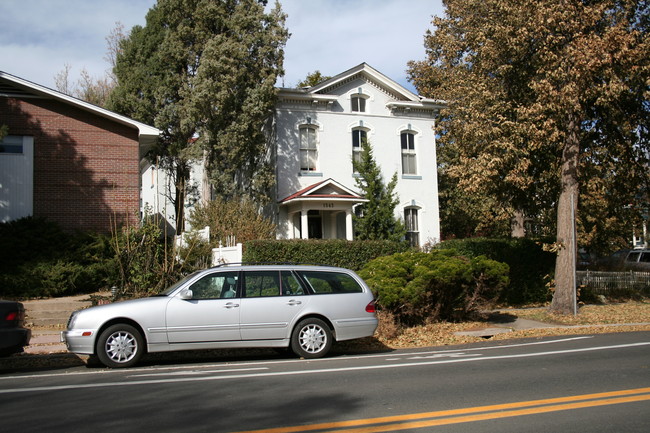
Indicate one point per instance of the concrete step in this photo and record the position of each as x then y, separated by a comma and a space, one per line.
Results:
48, 317
45, 341
54, 312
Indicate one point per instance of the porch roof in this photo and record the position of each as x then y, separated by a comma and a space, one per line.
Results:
328, 189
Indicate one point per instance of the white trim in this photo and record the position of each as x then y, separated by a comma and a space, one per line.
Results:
373, 75
146, 132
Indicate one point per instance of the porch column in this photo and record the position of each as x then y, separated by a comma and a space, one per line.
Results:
349, 233
304, 224
291, 229
332, 217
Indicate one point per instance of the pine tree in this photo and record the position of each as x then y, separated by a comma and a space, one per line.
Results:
375, 219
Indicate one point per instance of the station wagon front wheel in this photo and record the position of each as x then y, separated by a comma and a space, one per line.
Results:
311, 338
120, 346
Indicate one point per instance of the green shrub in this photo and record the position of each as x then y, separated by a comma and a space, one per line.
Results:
147, 262
38, 259
531, 268
420, 287
237, 218
336, 252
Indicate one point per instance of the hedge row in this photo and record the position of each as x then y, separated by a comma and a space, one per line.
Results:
531, 268
337, 252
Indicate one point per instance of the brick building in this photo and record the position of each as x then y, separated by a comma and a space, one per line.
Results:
67, 160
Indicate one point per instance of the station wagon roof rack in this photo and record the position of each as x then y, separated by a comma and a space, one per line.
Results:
222, 265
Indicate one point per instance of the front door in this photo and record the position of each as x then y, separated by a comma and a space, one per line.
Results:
315, 224
211, 315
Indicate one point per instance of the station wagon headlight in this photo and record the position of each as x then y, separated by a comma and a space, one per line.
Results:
72, 320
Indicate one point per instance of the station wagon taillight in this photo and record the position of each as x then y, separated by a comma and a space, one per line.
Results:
370, 308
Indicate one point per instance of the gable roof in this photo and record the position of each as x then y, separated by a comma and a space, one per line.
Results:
12, 86
402, 97
328, 189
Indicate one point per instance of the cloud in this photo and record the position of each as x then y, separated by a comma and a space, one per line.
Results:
39, 37
333, 36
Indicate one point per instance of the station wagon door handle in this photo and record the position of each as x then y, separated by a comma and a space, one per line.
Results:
231, 305
294, 302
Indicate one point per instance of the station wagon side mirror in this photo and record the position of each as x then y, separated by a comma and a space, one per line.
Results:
186, 294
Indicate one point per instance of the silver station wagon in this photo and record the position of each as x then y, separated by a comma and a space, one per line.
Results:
304, 308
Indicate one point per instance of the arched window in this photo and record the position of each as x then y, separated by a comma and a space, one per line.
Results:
411, 223
359, 139
358, 103
308, 148
409, 159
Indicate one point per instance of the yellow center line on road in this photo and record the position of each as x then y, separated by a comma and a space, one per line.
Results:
471, 414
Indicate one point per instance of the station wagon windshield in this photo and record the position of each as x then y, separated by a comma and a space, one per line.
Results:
176, 285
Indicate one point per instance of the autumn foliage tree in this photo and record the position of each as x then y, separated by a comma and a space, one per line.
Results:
548, 100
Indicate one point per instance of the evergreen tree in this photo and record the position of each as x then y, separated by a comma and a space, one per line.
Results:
204, 73
312, 79
375, 219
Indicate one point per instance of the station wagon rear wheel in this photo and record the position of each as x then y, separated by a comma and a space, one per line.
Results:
311, 338
120, 346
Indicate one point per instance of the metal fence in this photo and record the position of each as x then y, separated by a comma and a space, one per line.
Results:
606, 282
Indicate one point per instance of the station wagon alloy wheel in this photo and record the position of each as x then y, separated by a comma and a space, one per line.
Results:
120, 346
311, 339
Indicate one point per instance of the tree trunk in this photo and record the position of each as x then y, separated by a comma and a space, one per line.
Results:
517, 225
182, 174
564, 301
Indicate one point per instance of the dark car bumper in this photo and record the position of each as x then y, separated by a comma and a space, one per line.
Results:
12, 340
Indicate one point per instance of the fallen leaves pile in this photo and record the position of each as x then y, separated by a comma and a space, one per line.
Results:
591, 319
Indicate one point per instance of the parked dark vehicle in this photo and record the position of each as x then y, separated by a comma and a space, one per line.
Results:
637, 259
13, 334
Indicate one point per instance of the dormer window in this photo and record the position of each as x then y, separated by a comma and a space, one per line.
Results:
358, 103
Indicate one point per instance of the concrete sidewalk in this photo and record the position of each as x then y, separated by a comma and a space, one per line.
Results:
501, 323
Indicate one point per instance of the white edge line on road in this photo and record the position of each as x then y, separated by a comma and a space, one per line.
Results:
292, 361
316, 371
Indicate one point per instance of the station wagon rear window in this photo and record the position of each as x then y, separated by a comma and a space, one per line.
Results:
330, 282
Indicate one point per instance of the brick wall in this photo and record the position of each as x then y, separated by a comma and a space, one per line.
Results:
86, 167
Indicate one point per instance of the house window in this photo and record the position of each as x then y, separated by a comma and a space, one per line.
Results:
358, 103
411, 222
308, 149
12, 144
359, 138
409, 160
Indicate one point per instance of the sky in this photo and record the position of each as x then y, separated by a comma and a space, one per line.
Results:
39, 37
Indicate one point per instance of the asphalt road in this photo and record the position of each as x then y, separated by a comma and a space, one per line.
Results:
598, 383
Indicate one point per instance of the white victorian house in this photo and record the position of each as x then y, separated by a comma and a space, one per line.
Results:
317, 131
